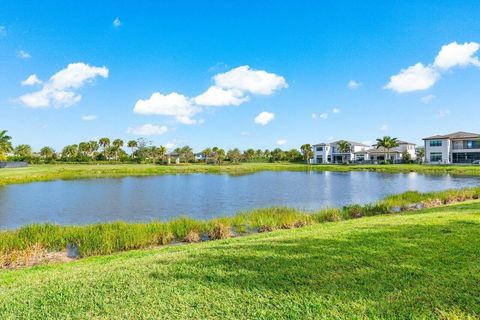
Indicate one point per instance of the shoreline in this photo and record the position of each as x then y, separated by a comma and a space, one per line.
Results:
33, 244
38, 173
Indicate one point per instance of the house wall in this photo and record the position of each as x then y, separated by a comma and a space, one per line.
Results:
444, 149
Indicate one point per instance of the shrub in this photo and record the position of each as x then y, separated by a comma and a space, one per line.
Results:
354, 211
327, 215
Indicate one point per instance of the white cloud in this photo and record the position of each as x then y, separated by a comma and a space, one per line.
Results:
428, 98
23, 54
443, 113
59, 90
282, 142
352, 84
216, 97
422, 77
148, 130
117, 23
172, 104
249, 80
414, 78
384, 127
335, 110
264, 118
89, 117
3, 31
454, 54
244, 133
231, 88
323, 115
314, 115
31, 80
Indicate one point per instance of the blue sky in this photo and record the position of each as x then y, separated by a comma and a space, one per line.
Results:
301, 56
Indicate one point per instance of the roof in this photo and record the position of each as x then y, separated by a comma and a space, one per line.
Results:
353, 143
455, 135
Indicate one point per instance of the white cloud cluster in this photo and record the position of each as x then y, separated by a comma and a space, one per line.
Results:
426, 99
3, 31
384, 127
282, 142
422, 77
352, 84
231, 88
443, 113
324, 115
173, 104
263, 118
148, 129
59, 90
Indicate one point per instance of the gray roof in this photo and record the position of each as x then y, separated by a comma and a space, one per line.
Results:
455, 135
336, 142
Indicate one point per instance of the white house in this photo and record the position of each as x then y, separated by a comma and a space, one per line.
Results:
456, 147
395, 154
329, 152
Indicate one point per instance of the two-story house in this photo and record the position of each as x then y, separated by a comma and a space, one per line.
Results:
457, 147
394, 155
330, 152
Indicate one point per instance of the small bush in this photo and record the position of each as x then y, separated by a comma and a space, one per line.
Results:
354, 211
328, 215
220, 231
192, 236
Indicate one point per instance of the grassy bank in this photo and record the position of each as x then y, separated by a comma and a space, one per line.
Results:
420, 265
78, 171
32, 242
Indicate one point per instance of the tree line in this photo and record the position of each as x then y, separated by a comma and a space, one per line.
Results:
142, 151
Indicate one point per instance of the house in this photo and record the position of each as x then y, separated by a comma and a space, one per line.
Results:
175, 156
330, 153
395, 155
456, 147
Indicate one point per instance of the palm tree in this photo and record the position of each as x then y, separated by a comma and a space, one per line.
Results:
132, 144
23, 150
104, 143
207, 153
117, 145
70, 151
344, 147
387, 143
93, 147
84, 148
420, 154
5, 144
47, 152
306, 152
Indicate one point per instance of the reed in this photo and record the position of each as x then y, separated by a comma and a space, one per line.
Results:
106, 238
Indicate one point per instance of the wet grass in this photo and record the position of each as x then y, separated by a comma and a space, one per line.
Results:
78, 171
418, 265
107, 238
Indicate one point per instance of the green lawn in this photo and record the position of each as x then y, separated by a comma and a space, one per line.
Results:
75, 171
420, 265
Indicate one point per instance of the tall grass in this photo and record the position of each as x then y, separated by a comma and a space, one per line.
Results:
106, 238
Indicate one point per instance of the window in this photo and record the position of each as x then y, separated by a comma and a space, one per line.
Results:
319, 148
435, 157
435, 143
470, 144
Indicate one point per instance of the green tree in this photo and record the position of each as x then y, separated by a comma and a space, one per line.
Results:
234, 155
278, 154
294, 155
420, 154
344, 147
5, 144
104, 143
387, 143
306, 152
23, 151
249, 154
207, 153
117, 145
132, 144
84, 148
70, 152
47, 152
92, 148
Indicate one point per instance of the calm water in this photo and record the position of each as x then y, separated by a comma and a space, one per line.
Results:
201, 195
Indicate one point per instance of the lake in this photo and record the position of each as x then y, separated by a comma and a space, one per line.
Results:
202, 196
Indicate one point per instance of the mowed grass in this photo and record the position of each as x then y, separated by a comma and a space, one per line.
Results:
77, 171
411, 265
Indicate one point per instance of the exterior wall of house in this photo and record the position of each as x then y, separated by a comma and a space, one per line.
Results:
326, 153
438, 151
